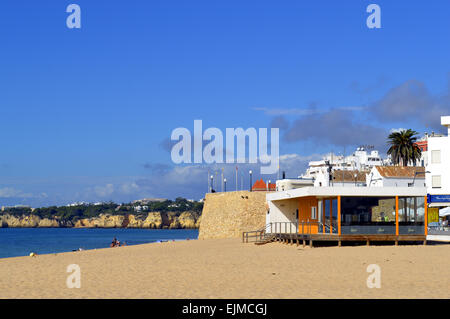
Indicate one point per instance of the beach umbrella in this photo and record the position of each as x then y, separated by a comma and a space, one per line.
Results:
444, 212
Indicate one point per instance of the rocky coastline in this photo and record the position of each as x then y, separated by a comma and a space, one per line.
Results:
152, 220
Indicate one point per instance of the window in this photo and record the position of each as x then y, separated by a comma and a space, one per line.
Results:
368, 210
411, 213
368, 215
435, 157
436, 181
411, 210
314, 212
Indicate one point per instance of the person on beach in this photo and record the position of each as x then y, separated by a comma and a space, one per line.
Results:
115, 242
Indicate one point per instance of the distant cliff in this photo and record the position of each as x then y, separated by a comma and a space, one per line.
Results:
155, 220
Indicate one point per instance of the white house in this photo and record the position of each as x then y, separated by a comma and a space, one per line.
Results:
438, 160
286, 184
360, 160
346, 178
396, 176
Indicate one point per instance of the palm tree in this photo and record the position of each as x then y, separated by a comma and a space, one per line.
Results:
403, 148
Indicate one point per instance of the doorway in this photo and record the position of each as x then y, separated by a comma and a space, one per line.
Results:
308, 215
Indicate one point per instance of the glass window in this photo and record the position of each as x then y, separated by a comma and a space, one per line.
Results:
327, 209
411, 209
368, 215
334, 207
411, 215
368, 210
313, 212
436, 157
436, 181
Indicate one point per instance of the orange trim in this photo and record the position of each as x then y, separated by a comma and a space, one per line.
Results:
331, 216
339, 214
396, 215
426, 216
323, 216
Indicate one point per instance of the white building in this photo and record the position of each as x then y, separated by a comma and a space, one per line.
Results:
140, 208
360, 160
396, 176
285, 184
438, 158
340, 211
345, 178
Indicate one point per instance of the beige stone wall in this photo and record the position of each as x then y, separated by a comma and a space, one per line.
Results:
227, 215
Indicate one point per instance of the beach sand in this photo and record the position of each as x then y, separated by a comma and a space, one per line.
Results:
227, 268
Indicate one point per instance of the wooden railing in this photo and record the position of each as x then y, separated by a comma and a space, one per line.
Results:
282, 228
255, 235
275, 229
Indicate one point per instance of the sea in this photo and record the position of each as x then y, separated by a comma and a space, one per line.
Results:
16, 242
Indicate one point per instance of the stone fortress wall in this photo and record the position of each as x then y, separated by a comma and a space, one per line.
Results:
227, 215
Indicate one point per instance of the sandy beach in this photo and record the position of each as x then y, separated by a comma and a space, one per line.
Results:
227, 268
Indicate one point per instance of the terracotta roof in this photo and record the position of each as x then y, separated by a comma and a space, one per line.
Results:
349, 176
401, 171
260, 185
423, 145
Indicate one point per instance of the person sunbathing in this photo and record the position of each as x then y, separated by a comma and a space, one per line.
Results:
115, 243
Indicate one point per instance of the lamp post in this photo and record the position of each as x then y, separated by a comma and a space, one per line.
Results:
250, 172
212, 179
225, 184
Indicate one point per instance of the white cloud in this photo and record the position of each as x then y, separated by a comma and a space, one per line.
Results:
281, 111
10, 192
304, 111
104, 191
395, 130
129, 188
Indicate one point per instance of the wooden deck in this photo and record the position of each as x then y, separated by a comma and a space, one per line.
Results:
295, 238
286, 232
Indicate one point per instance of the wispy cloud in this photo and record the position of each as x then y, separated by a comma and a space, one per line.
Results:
11, 192
282, 111
336, 127
304, 111
412, 100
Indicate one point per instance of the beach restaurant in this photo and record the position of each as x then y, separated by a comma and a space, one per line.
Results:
349, 213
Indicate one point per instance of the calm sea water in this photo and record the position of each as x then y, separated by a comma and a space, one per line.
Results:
21, 241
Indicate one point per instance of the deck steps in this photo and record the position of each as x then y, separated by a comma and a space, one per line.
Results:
268, 238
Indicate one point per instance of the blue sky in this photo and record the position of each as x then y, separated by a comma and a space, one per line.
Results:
85, 113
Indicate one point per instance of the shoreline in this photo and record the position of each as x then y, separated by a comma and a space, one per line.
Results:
227, 268
21, 242
95, 249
